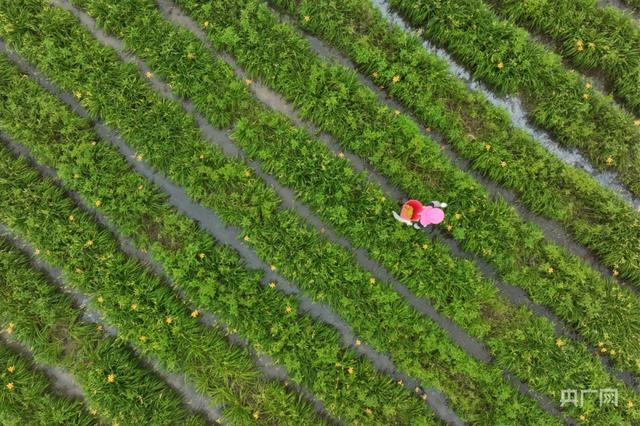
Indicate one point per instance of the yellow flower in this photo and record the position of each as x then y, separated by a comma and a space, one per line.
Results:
89, 243
637, 122
140, 187
111, 378
202, 156
134, 307
341, 154
93, 412
615, 273
338, 365
10, 386
77, 94
585, 96
195, 314
98, 203
273, 267
579, 44
396, 112
190, 55
148, 74
399, 382
427, 129
358, 342
368, 411
350, 370
630, 404
139, 157
272, 284
143, 338
583, 418
487, 147
248, 82
610, 160
256, 415
449, 227
78, 270
72, 218
99, 327
588, 86
559, 343
202, 255
600, 344
500, 65
36, 252
11, 369
246, 238
396, 78
168, 320
375, 74
115, 424
424, 396
458, 216
206, 24
503, 164
372, 280
289, 309
603, 350
592, 45
551, 270
307, 18
612, 352
100, 299
425, 246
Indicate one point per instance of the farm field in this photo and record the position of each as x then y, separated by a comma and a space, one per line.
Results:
197, 198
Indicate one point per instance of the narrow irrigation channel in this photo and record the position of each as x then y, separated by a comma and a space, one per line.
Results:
513, 105
213, 225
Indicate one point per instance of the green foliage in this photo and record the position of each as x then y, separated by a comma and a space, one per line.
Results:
588, 36
29, 401
45, 321
501, 54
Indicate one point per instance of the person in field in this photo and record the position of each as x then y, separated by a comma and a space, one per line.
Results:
413, 212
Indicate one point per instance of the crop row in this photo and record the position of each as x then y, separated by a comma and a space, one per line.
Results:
338, 194
218, 281
478, 131
591, 38
330, 97
170, 141
563, 102
117, 389
143, 309
25, 396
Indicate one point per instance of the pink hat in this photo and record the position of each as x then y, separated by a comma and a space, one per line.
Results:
431, 215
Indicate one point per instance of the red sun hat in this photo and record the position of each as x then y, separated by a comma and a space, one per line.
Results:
411, 210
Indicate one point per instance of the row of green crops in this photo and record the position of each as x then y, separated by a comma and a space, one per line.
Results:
563, 102
590, 37
25, 396
169, 139
144, 309
116, 387
593, 215
294, 159
578, 294
217, 282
